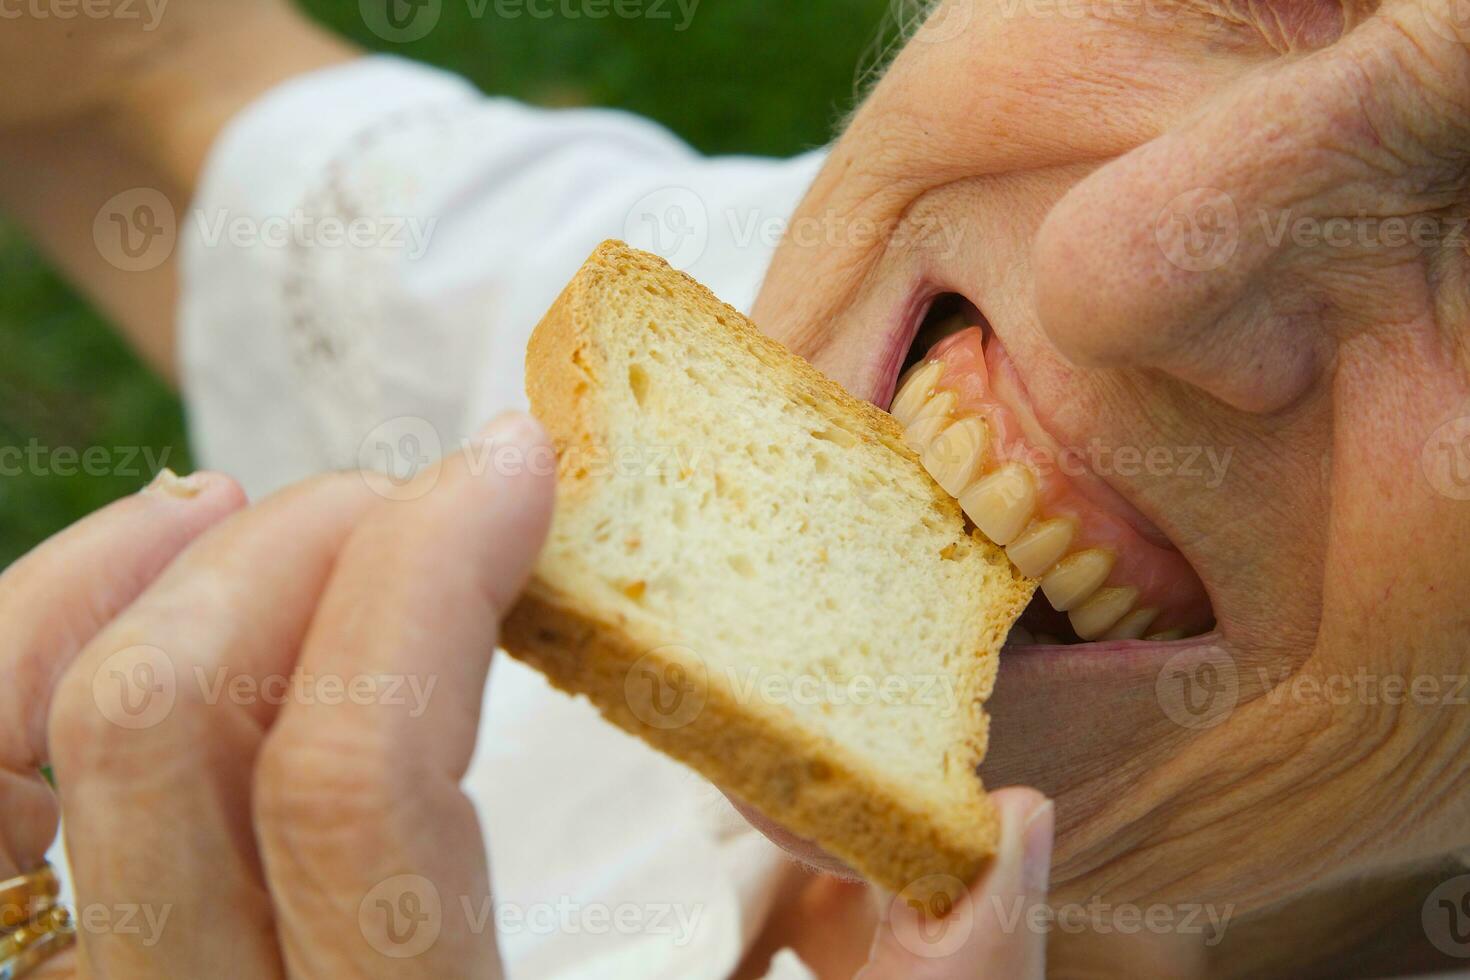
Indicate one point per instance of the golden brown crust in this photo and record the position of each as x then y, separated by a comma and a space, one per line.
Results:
794, 778
806, 783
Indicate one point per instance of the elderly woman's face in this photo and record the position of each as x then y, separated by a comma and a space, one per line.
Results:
1237, 406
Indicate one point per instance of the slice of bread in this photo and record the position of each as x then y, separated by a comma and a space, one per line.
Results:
748, 569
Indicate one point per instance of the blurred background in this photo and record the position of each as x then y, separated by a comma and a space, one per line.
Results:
787, 71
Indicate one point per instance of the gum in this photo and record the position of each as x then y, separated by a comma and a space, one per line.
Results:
988, 387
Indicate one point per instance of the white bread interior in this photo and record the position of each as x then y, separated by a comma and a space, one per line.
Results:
748, 569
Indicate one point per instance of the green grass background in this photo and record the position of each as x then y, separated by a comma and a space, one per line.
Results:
746, 76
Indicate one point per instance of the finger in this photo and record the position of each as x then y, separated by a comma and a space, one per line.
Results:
155, 728
52, 601
991, 931
373, 851
1258, 225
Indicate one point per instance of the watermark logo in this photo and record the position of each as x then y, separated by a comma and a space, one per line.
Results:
667, 688
671, 222
400, 21
1198, 688
1446, 459
135, 688
1446, 917
1208, 922
932, 917
136, 230
945, 22
393, 454
144, 924
36, 459
408, 235
402, 916
1199, 230
123, 10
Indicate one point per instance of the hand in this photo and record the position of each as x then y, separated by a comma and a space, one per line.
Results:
258, 719
997, 930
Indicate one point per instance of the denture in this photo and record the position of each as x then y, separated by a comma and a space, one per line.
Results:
963, 410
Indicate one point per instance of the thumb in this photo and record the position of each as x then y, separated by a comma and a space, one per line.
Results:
990, 930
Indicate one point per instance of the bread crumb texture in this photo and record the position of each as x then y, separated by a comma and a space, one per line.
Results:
749, 570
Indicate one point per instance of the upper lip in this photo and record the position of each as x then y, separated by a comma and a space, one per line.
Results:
905, 327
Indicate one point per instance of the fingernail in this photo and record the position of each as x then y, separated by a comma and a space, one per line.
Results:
510, 428
170, 484
1036, 846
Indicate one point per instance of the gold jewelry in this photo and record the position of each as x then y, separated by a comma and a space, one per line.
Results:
36, 942
24, 897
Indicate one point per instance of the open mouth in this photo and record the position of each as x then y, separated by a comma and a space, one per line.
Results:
1106, 573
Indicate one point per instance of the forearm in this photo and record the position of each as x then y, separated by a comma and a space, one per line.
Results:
153, 131
57, 180
172, 111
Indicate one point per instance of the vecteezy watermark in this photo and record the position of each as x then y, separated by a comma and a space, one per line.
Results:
407, 234
402, 916
935, 916
932, 917
1446, 917
1198, 230
147, 12
1206, 464
142, 922
135, 687
138, 687
676, 224
394, 454
1198, 687
1365, 687
397, 459
668, 688
935, 693
35, 459
1446, 459
136, 230
671, 222
1098, 917
677, 921
933, 24
410, 691
1201, 229
403, 21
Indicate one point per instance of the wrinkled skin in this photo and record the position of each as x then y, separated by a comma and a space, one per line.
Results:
1062, 164
1028, 161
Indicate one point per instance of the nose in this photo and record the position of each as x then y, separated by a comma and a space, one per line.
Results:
1234, 251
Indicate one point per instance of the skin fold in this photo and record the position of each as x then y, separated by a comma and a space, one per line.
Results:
1140, 198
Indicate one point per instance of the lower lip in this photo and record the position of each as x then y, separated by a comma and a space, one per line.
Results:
1111, 647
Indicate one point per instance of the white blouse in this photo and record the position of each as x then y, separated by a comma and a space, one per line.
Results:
369, 250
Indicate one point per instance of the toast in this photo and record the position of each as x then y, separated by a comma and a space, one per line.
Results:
748, 569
